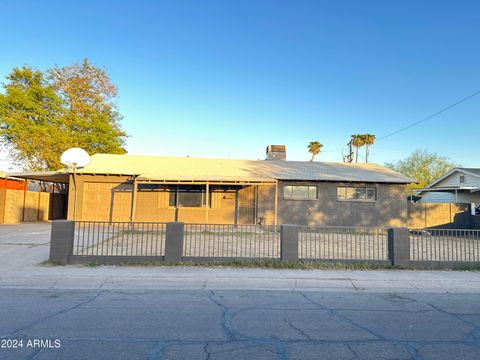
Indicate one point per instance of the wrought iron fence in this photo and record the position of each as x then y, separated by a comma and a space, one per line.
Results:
231, 241
445, 245
146, 239
342, 243
119, 238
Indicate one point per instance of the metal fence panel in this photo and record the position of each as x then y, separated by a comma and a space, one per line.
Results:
342, 243
119, 238
454, 245
231, 241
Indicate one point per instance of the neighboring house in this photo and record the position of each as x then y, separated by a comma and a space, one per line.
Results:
272, 191
12, 184
459, 186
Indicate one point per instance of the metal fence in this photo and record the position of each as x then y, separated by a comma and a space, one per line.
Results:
445, 245
342, 243
119, 238
210, 241
231, 241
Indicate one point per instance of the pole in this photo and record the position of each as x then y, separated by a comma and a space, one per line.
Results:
207, 201
24, 199
134, 200
75, 192
276, 204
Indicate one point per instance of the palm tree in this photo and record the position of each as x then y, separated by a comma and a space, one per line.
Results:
314, 147
368, 139
357, 141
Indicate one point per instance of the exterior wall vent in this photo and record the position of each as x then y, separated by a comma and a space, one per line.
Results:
276, 152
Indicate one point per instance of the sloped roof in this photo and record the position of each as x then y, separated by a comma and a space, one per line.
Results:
201, 169
475, 171
472, 171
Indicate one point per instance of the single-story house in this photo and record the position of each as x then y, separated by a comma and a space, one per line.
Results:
223, 191
458, 186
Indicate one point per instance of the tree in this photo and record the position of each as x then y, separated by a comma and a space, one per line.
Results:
368, 140
91, 116
357, 142
423, 167
30, 118
42, 115
314, 147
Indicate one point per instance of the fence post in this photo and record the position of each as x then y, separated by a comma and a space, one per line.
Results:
289, 242
399, 246
174, 241
61, 240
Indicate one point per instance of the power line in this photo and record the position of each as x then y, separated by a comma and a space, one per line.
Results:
416, 122
430, 116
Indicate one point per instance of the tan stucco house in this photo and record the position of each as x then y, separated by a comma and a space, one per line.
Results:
199, 190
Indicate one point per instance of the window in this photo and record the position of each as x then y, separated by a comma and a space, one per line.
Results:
462, 179
187, 196
345, 193
295, 192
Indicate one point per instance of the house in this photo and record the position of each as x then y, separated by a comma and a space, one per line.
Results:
199, 190
459, 186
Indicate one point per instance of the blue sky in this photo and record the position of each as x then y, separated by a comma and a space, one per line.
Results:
226, 78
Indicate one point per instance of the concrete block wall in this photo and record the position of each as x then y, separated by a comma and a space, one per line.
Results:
19, 205
430, 215
390, 208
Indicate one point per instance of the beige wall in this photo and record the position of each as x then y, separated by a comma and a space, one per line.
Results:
18, 205
426, 215
154, 206
109, 198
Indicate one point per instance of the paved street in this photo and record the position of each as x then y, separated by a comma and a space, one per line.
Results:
222, 313
241, 324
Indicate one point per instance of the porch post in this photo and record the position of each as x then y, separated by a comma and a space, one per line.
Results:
24, 199
134, 200
235, 221
276, 204
207, 202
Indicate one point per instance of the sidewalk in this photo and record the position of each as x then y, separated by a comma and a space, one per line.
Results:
121, 277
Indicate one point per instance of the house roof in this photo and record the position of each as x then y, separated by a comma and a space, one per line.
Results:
475, 171
49, 176
201, 169
471, 171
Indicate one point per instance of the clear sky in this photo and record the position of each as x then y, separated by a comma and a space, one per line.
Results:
226, 78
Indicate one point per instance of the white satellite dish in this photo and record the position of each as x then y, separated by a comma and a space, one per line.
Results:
75, 158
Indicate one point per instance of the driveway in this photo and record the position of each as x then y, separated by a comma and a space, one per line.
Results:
23, 245
224, 313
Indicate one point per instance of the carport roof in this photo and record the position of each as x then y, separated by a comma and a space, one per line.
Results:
49, 176
159, 168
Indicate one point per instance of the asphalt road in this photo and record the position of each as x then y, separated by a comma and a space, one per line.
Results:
240, 324
204, 313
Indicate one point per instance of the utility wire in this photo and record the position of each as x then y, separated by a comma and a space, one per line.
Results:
416, 122
430, 116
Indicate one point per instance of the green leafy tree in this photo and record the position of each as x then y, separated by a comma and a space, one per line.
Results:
424, 167
42, 115
30, 119
314, 147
